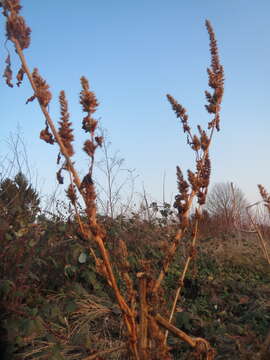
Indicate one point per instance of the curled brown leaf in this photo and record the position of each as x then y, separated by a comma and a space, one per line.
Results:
8, 72
19, 76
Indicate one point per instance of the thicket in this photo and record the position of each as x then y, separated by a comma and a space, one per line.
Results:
91, 287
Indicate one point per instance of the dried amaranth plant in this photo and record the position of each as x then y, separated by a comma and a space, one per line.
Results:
140, 302
196, 185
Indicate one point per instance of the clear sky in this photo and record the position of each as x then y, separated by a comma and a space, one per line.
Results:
134, 53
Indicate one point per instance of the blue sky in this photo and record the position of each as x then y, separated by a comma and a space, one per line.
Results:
134, 53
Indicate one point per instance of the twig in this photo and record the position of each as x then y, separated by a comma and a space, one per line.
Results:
104, 352
259, 234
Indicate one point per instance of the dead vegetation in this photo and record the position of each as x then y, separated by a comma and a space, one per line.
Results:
138, 291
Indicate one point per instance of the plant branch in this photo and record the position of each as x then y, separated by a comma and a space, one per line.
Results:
47, 115
183, 275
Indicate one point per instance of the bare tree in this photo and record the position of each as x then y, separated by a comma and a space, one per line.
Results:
227, 204
16, 159
115, 183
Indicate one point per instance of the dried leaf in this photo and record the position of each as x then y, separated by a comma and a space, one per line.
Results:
8, 72
19, 76
59, 177
32, 98
58, 158
99, 140
71, 194
46, 135
87, 180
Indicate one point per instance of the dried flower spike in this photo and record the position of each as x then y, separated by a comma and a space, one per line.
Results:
65, 131
265, 196
16, 28
180, 112
87, 98
216, 80
89, 104
11, 5
42, 89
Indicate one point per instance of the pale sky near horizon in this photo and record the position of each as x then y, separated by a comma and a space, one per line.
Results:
134, 53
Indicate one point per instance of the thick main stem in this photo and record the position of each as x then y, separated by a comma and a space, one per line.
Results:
183, 275
178, 236
143, 327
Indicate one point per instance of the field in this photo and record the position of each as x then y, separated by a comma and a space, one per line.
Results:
56, 306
